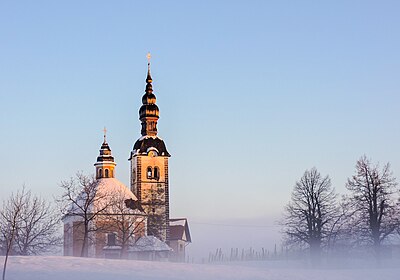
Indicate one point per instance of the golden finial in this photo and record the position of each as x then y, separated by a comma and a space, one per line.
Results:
105, 134
148, 58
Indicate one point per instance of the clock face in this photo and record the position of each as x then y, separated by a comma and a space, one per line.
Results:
152, 153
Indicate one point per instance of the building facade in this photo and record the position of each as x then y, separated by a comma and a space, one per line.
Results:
114, 227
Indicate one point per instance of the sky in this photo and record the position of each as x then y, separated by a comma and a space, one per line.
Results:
251, 94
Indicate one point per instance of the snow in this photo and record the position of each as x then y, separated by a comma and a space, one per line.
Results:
67, 268
114, 187
108, 188
149, 136
178, 222
149, 243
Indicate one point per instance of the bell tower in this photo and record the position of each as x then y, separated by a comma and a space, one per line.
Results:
105, 164
149, 166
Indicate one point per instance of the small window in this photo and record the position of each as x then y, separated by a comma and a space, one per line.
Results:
149, 172
106, 173
111, 239
100, 173
156, 173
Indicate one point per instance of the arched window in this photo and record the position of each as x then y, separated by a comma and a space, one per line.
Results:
156, 173
100, 173
106, 173
149, 172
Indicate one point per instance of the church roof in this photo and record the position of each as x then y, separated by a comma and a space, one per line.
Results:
114, 186
105, 153
144, 143
179, 230
149, 243
108, 192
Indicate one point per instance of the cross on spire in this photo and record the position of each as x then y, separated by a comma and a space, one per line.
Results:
148, 58
105, 134
148, 80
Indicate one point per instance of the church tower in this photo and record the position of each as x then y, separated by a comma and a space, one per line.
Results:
149, 167
105, 161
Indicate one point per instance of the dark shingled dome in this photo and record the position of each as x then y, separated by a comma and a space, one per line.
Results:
150, 142
105, 153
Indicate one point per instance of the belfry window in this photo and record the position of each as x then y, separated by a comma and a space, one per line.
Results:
149, 172
156, 173
106, 173
100, 173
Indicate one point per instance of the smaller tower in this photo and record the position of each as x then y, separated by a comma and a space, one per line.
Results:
105, 164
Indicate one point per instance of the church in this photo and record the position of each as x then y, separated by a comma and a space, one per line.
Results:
131, 222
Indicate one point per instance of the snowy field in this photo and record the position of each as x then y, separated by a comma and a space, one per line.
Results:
70, 268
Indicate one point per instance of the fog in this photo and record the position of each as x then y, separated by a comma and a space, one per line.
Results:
66, 268
225, 234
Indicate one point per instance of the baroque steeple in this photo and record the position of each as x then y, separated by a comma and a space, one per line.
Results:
105, 161
149, 166
149, 112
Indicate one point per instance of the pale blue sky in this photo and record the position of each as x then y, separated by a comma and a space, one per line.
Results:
251, 93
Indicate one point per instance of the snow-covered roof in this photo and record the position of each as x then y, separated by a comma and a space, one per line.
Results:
149, 243
179, 230
108, 191
114, 186
143, 144
150, 136
177, 222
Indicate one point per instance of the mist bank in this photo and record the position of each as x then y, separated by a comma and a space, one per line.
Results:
66, 268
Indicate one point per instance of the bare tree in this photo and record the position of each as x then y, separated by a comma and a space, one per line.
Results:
311, 215
128, 223
10, 217
38, 230
82, 200
373, 218
28, 226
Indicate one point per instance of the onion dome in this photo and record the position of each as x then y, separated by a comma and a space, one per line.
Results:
105, 153
105, 161
149, 143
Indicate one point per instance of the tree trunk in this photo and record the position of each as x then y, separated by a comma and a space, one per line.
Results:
315, 252
85, 247
5, 266
124, 250
9, 245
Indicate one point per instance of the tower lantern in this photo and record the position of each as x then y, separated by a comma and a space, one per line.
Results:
105, 164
